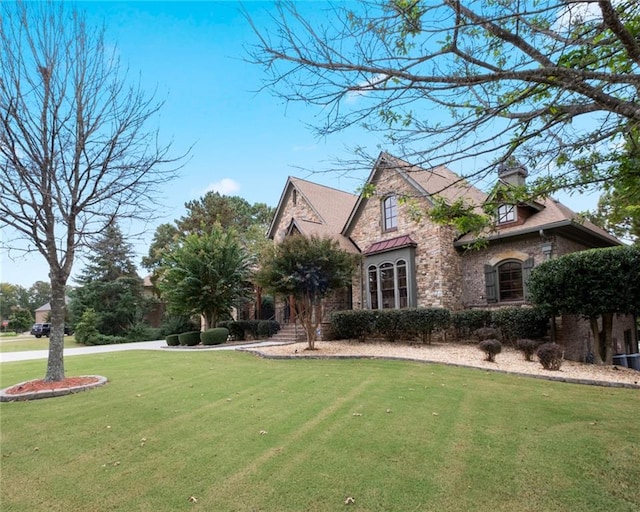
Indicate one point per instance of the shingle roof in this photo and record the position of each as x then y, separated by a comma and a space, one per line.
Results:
332, 207
553, 215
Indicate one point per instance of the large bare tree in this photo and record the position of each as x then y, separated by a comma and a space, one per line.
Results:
553, 83
76, 152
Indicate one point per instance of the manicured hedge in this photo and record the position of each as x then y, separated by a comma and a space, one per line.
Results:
470, 320
393, 324
250, 329
215, 336
353, 324
423, 322
172, 340
190, 339
517, 323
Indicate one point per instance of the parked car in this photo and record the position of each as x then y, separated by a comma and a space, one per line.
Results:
40, 330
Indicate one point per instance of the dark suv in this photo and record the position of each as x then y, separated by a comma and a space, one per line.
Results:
40, 330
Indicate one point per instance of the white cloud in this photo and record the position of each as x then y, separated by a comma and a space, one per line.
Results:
226, 186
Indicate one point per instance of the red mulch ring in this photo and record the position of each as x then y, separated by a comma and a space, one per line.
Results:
40, 385
38, 388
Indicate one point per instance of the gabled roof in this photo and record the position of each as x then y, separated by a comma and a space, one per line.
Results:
554, 216
331, 206
427, 183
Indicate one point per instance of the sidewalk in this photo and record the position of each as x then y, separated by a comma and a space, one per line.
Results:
29, 355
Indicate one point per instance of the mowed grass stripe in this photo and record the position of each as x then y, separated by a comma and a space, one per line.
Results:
452, 439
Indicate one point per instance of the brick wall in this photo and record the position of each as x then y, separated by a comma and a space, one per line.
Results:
533, 246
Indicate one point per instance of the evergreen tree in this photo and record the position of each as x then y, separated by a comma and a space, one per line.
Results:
110, 285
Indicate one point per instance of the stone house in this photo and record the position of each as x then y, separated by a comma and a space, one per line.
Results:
409, 261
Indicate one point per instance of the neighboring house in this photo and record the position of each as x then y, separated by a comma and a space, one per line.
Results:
43, 313
155, 315
409, 261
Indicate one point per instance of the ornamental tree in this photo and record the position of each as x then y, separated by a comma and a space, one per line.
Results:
309, 269
596, 284
205, 274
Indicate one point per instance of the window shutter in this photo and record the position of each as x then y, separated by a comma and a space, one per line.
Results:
526, 272
490, 283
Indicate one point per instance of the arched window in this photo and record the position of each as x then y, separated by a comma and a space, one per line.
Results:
373, 287
388, 285
510, 286
390, 213
507, 280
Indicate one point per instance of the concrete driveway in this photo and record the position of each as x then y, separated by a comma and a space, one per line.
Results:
29, 355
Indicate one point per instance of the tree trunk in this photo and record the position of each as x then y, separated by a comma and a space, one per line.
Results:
55, 363
603, 339
607, 337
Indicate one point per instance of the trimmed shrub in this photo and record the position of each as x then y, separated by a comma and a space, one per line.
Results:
423, 321
250, 328
176, 324
550, 356
189, 339
172, 340
517, 323
389, 324
486, 333
215, 336
235, 330
491, 347
352, 324
527, 347
267, 328
470, 320
103, 339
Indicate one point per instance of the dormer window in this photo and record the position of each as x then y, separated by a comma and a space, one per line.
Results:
390, 213
506, 213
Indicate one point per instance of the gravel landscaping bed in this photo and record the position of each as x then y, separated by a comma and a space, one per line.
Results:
461, 354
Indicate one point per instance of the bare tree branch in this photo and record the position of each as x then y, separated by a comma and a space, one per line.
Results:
76, 152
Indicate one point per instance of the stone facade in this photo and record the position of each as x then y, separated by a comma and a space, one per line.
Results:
295, 207
533, 246
440, 273
438, 276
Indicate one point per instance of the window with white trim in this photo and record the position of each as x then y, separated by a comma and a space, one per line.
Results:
506, 213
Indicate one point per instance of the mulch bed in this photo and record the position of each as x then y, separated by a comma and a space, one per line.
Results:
33, 386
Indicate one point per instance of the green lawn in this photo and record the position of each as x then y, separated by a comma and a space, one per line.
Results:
393, 435
33, 343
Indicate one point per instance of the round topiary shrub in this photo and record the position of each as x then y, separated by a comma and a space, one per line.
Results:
214, 336
172, 340
486, 333
527, 347
491, 347
550, 356
189, 339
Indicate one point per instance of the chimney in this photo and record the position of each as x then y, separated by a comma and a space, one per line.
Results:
512, 173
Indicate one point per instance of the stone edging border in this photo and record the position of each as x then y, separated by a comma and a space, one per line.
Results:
568, 380
49, 393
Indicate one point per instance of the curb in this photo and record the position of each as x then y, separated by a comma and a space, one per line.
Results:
49, 393
568, 380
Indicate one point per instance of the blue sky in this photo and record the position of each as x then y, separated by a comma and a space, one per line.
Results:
243, 142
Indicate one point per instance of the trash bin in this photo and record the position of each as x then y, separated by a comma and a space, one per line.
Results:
633, 361
620, 360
